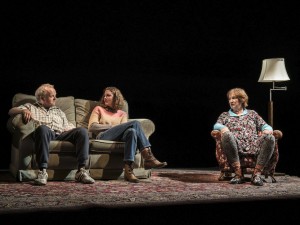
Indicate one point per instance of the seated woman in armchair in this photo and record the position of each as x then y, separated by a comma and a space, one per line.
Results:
240, 128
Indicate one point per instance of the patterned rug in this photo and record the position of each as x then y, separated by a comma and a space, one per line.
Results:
165, 187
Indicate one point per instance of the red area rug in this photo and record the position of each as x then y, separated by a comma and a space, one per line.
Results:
165, 187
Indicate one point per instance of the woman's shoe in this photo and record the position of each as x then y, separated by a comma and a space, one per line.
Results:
224, 176
150, 161
237, 180
257, 180
128, 173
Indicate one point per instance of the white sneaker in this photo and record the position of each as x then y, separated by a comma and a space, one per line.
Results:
83, 176
41, 178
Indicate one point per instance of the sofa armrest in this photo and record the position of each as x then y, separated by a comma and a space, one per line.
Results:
147, 126
16, 125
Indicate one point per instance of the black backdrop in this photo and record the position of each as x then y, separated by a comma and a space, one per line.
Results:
173, 60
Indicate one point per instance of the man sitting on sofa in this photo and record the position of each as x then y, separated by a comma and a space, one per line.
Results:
52, 124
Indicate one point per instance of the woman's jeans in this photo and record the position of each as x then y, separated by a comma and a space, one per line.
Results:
131, 133
77, 136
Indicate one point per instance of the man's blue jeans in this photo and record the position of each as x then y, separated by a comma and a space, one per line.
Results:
77, 136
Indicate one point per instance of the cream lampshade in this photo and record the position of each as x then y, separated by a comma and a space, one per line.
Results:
273, 70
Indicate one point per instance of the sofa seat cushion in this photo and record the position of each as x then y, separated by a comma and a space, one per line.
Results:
108, 147
62, 147
96, 147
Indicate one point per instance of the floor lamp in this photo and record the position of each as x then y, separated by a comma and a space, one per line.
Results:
273, 70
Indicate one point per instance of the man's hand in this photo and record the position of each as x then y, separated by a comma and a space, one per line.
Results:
26, 115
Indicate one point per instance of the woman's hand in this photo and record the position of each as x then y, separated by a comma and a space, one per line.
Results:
223, 130
267, 132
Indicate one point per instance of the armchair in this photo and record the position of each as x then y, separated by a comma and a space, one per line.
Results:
247, 162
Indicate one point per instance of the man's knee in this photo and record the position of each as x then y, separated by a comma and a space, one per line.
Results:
42, 129
81, 131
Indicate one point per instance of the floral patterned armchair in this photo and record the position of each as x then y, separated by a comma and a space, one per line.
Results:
247, 162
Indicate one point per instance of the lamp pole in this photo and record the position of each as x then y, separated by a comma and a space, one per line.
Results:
270, 105
270, 110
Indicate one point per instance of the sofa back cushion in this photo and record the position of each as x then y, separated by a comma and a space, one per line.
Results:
84, 109
66, 104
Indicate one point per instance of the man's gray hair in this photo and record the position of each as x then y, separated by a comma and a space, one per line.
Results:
42, 91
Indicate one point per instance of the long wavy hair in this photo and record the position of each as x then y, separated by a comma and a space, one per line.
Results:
118, 99
240, 94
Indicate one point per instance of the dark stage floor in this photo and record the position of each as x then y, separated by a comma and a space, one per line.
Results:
171, 196
253, 212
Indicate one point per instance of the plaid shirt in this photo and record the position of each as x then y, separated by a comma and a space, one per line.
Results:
54, 117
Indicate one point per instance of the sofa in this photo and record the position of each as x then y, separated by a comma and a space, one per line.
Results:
106, 157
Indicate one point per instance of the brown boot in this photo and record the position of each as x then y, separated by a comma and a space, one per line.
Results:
128, 174
256, 178
239, 177
150, 161
258, 169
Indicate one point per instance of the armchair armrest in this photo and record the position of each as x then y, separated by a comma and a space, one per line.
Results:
277, 134
216, 134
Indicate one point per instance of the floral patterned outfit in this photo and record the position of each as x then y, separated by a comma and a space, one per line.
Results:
245, 129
